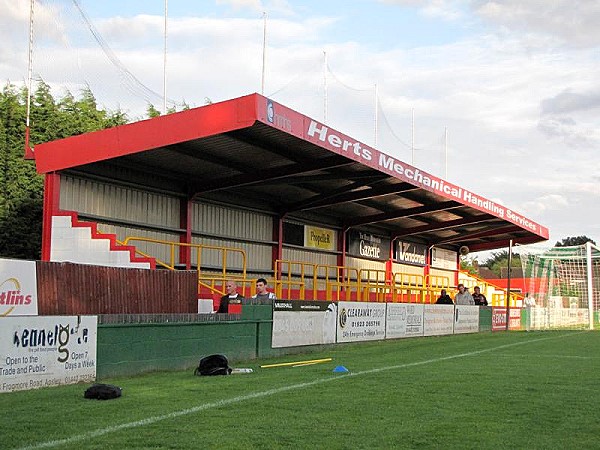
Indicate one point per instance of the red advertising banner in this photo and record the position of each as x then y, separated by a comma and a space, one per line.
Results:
283, 118
499, 319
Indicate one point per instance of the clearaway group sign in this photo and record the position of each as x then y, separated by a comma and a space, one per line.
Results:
360, 321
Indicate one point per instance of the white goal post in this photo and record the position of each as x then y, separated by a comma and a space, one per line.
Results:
563, 287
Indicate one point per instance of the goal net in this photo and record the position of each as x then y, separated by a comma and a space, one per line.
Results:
563, 287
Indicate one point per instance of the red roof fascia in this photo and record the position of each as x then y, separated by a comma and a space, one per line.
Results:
146, 135
281, 117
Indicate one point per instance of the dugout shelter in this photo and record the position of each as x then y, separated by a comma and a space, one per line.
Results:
249, 187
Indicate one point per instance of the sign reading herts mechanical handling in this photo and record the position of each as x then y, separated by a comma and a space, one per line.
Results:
46, 351
410, 253
360, 321
284, 118
18, 288
367, 245
302, 322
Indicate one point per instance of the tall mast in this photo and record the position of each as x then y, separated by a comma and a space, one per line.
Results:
165, 61
376, 114
264, 55
446, 153
28, 149
412, 139
324, 87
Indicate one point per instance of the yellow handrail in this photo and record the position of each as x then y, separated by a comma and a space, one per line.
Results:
204, 280
435, 284
306, 280
498, 298
309, 281
336, 281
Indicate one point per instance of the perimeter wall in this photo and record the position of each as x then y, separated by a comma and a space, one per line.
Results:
129, 349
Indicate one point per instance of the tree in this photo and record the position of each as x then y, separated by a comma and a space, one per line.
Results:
21, 187
499, 261
470, 265
151, 111
572, 241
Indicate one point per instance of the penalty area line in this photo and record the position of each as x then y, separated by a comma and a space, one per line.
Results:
254, 395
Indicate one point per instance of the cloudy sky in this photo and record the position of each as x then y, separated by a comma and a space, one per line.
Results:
516, 83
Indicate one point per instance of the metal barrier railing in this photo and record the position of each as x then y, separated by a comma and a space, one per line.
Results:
499, 299
435, 284
303, 280
208, 281
298, 279
373, 285
309, 280
494, 298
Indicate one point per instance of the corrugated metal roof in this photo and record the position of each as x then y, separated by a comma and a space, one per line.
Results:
231, 152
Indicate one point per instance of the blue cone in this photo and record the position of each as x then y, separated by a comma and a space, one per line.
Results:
340, 369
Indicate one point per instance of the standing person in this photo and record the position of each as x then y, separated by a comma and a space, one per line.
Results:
261, 290
463, 297
529, 302
479, 298
231, 296
444, 299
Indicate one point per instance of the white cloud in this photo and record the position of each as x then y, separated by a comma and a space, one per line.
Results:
442, 9
273, 6
546, 202
568, 101
520, 109
256, 5
574, 22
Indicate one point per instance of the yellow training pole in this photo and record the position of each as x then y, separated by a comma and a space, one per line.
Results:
312, 361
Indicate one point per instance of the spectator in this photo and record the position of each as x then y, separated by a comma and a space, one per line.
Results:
261, 290
478, 297
231, 296
463, 297
529, 302
444, 299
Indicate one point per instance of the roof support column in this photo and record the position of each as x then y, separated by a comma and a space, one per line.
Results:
278, 250
389, 271
427, 271
341, 259
51, 205
341, 245
185, 222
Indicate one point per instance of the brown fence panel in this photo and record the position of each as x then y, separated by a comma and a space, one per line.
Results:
74, 289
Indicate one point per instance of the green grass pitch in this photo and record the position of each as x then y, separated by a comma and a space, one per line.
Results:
535, 390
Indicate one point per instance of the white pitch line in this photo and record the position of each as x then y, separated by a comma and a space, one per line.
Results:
551, 356
267, 393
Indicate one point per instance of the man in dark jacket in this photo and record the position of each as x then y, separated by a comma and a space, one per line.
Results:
478, 297
444, 299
